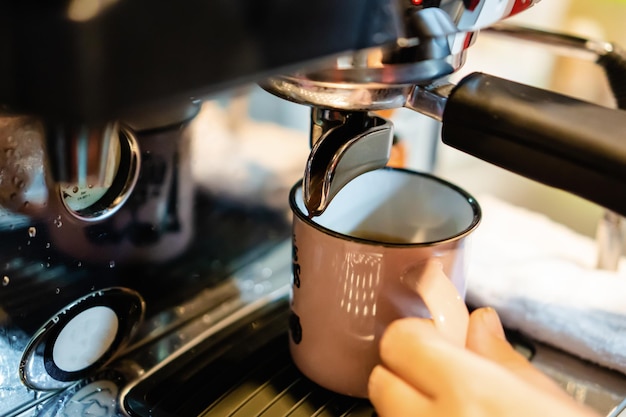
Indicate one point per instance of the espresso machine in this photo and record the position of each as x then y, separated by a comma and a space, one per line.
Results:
126, 290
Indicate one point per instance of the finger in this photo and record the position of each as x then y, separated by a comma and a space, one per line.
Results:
441, 297
393, 397
413, 349
486, 337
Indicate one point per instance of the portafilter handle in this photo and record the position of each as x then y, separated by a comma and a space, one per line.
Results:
612, 59
551, 138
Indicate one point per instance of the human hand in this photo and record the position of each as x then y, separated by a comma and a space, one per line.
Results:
422, 374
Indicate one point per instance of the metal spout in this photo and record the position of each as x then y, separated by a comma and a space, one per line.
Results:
344, 146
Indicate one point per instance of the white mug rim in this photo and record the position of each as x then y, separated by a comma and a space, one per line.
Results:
467, 197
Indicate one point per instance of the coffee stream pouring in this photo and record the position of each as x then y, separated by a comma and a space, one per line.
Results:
344, 145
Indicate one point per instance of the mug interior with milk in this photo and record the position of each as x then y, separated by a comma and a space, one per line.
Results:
410, 207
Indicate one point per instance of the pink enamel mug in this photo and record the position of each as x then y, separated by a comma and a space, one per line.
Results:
391, 244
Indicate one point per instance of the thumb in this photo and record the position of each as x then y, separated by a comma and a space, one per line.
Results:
486, 337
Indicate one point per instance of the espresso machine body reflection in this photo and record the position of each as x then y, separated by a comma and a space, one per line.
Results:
117, 269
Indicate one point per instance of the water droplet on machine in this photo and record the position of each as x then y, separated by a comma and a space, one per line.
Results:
58, 222
57, 291
5, 281
32, 231
111, 264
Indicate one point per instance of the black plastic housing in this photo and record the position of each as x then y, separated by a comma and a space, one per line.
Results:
139, 52
548, 137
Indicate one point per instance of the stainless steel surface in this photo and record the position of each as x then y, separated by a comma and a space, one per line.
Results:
96, 201
369, 84
576, 46
81, 154
260, 283
431, 44
345, 146
100, 168
338, 96
429, 100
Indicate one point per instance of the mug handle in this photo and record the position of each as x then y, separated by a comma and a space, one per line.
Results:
446, 306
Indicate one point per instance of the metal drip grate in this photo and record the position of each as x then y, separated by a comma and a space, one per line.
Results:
276, 389
246, 373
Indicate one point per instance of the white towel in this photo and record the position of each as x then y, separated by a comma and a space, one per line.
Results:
540, 276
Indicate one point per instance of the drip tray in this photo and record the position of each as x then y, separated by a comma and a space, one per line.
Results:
243, 371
